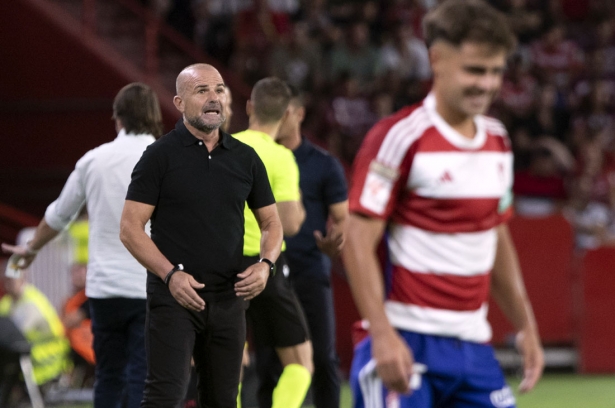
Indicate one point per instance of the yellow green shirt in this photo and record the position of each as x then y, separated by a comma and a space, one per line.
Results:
283, 175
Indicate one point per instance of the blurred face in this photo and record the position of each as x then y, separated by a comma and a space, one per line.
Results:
227, 109
292, 124
202, 95
467, 78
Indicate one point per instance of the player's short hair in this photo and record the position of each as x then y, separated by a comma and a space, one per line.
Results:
458, 21
296, 96
136, 106
270, 98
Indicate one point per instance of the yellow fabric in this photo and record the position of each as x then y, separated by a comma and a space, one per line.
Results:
283, 175
239, 396
79, 231
292, 387
49, 345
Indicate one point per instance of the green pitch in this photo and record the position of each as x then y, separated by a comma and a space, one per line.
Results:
556, 391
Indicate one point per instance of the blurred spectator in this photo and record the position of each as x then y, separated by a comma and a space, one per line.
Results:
36, 318
405, 55
551, 116
257, 29
349, 118
556, 59
540, 189
524, 21
518, 94
214, 26
590, 219
356, 55
297, 59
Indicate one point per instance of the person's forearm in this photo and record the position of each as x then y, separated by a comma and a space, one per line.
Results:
292, 215
271, 240
364, 276
141, 246
507, 287
43, 234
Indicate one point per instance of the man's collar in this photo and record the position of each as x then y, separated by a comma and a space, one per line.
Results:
188, 138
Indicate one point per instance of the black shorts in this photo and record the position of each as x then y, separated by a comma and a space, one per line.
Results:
275, 315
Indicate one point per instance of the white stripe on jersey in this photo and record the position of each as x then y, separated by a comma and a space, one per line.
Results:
459, 254
454, 174
469, 326
371, 386
399, 138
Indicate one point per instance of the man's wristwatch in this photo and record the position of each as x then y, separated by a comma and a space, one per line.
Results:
272, 267
178, 267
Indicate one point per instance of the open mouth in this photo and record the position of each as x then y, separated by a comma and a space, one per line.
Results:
212, 111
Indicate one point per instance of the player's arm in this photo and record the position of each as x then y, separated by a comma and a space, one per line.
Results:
393, 357
508, 290
292, 215
132, 234
254, 278
332, 243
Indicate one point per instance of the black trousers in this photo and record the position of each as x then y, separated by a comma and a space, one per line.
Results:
316, 299
215, 337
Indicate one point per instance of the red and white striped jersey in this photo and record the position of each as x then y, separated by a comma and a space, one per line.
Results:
442, 196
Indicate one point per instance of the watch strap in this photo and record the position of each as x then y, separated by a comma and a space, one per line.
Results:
270, 263
178, 267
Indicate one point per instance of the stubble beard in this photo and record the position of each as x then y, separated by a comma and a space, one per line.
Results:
198, 123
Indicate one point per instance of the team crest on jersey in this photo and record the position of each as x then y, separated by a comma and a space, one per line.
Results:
378, 186
503, 398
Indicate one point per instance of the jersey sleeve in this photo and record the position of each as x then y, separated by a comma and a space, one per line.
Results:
375, 181
260, 194
146, 179
65, 209
285, 177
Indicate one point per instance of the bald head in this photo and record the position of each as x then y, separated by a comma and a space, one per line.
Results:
190, 73
201, 95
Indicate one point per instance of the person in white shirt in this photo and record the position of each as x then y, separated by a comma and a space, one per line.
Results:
115, 281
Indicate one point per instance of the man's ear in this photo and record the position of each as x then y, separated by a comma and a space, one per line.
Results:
301, 114
179, 103
249, 107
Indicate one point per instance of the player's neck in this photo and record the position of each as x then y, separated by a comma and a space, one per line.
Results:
269, 128
291, 142
459, 121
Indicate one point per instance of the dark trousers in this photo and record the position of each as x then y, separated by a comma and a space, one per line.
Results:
118, 325
214, 337
316, 299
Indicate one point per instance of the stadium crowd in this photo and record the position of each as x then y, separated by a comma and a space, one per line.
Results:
361, 60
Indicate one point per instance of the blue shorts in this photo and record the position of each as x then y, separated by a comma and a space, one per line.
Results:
456, 374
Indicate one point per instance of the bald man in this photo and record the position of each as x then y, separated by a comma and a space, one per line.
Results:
193, 184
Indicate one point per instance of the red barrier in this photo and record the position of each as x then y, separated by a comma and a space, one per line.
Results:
597, 331
545, 249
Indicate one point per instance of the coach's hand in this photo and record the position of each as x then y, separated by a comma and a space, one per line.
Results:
252, 280
182, 286
393, 360
528, 344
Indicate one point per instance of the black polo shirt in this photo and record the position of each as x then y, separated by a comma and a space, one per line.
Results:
199, 198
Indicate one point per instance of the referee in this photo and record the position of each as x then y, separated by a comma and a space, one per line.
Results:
276, 317
193, 184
